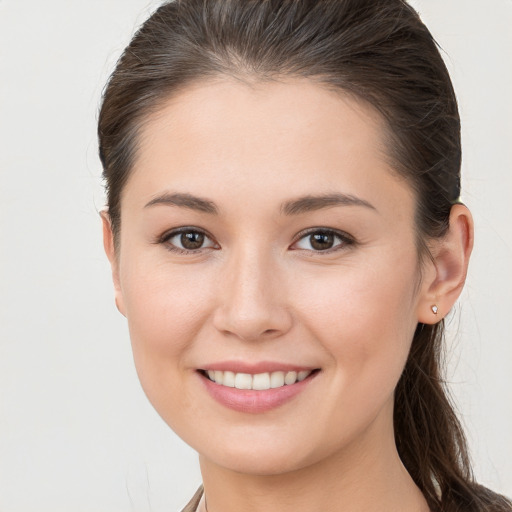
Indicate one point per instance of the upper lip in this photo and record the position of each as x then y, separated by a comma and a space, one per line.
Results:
255, 367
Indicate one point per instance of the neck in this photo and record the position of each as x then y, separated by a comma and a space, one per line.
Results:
365, 476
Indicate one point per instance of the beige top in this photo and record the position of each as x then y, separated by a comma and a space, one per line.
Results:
194, 502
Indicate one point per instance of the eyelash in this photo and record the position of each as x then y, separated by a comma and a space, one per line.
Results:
344, 238
166, 237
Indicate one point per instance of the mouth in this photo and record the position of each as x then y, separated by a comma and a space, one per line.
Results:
256, 392
258, 381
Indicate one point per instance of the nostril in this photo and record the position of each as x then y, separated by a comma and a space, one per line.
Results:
251, 320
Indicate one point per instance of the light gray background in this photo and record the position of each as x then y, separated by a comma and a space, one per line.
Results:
76, 432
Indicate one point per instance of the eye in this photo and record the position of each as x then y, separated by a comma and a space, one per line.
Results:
323, 240
187, 240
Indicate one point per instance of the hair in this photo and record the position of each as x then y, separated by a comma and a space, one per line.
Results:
376, 50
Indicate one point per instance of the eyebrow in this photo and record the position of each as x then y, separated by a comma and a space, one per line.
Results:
311, 203
185, 201
293, 207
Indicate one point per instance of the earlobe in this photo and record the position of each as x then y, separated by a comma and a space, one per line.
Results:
110, 251
449, 267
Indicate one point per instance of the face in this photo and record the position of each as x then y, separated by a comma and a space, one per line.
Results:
267, 245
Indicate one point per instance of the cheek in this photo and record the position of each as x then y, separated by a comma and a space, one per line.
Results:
165, 311
365, 319
166, 308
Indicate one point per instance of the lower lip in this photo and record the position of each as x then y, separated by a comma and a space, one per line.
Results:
251, 401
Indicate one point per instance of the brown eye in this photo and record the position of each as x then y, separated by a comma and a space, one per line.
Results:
321, 240
187, 240
192, 240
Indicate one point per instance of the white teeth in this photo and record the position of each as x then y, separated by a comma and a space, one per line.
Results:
219, 377
276, 379
261, 381
290, 378
243, 381
229, 379
258, 382
302, 375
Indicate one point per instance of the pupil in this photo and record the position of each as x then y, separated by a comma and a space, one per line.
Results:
322, 241
192, 240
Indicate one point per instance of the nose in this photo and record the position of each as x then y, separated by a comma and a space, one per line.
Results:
251, 304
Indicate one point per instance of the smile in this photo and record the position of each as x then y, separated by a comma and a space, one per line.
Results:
259, 381
256, 392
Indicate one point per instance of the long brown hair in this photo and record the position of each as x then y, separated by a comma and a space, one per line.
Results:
377, 50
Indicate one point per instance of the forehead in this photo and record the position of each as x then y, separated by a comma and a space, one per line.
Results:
261, 139
283, 112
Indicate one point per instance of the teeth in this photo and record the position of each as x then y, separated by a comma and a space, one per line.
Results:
228, 379
302, 375
261, 381
258, 382
218, 376
290, 378
242, 381
276, 379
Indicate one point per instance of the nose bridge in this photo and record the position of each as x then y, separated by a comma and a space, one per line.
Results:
252, 298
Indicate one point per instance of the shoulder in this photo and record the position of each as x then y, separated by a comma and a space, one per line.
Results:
194, 502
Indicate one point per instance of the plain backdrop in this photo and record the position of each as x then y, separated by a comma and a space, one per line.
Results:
76, 431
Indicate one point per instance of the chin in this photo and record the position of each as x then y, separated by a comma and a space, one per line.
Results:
269, 453
260, 463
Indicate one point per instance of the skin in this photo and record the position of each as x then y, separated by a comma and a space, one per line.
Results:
257, 290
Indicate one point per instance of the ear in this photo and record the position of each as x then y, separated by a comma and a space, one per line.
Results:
446, 274
110, 251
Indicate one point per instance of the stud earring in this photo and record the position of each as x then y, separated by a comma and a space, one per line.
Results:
434, 309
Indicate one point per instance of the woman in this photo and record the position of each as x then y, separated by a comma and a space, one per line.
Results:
286, 237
